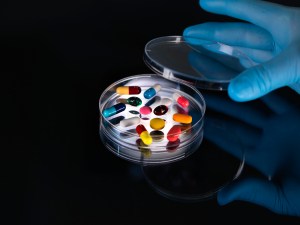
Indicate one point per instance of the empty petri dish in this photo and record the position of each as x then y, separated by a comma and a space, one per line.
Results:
208, 65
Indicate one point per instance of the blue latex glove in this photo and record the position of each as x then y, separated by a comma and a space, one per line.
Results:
268, 129
270, 36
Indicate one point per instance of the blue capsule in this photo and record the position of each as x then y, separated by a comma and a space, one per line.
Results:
149, 93
115, 109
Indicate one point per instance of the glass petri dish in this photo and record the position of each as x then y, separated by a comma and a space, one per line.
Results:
206, 65
126, 143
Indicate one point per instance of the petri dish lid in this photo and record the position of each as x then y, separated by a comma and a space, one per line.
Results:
208, 65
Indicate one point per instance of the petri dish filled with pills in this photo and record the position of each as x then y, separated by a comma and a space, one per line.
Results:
148, 119
158, 120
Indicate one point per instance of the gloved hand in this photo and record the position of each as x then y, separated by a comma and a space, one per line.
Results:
268, 129
270, 36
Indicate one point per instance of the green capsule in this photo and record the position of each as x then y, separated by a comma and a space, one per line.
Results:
134, 101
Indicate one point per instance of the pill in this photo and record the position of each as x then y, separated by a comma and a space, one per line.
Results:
144, 135
128, 90
166, 101
134, 112
174, 133
160, 110
182, 101
152, 102
117, 120
130, 121
134, 101
145, 110
182, 118
149, 93
115, 109
157, 135
157, 123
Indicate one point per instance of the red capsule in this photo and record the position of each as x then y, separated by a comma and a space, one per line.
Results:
182, 101
174, 133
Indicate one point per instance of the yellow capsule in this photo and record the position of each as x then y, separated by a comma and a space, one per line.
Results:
182, 118
157, 124
143, 133
146, 138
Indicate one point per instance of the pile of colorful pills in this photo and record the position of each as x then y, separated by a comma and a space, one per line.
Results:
151, 115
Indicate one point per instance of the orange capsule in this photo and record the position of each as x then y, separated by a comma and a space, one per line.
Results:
182, 118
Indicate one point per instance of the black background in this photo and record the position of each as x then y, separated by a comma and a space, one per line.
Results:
56, 59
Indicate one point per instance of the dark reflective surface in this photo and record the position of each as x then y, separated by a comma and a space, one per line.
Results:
57, 58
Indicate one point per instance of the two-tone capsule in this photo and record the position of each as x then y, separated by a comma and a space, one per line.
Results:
149, 93
113, 110
181, 100
144, 135
128, 90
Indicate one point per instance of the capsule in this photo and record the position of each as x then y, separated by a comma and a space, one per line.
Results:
174, 133
182, 118
130, 121
157, 123
115, 109
160, 110
144, 135
128, 90
134, 101
149, 93
182, 101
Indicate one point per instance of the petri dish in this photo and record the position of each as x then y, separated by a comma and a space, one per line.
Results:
126, 142
208, 65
